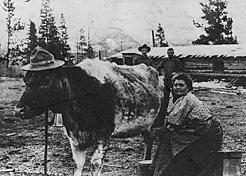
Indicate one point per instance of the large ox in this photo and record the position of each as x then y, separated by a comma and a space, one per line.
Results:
97, 100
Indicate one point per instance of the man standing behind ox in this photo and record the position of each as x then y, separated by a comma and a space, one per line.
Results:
144, 49
168, 67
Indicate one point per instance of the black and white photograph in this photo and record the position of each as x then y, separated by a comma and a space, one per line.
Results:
122, 87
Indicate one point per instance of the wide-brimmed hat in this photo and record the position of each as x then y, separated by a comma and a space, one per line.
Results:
144, 46
41, 59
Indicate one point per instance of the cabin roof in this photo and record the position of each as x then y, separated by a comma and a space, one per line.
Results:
193, 51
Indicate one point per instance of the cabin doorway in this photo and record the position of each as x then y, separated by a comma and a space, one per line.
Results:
218, 65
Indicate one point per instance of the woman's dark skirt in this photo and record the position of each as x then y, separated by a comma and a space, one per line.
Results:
195, 160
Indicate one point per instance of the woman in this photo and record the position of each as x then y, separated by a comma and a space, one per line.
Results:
189, 135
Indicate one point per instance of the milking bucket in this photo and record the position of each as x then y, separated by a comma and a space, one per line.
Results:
144, 167
58, 120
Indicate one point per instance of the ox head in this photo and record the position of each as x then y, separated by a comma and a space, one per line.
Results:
42, 92
41, 86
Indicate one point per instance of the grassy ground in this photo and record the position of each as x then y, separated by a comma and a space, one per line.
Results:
22, 141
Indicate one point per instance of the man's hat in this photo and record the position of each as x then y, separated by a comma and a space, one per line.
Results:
144, 46
41, 59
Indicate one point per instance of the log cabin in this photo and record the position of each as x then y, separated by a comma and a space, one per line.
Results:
200, 61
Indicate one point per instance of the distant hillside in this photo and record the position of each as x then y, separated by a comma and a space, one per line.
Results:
112, 40
132, 25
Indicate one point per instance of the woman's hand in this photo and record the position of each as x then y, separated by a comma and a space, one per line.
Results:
153, 132
158, 131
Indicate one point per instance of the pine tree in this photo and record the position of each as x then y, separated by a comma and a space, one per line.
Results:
82, 40
219, 25
64, 38
54, 44
13, 25
49, 38
90, 52
81, 45
44, 26
160, 37
32, 38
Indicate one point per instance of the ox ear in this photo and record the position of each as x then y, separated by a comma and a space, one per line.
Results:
73, 72
70, 69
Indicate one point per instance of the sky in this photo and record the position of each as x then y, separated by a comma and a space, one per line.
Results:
135, 17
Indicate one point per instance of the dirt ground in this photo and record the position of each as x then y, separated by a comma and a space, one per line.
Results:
22, 141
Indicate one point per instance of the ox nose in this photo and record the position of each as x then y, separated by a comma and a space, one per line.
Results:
19, 112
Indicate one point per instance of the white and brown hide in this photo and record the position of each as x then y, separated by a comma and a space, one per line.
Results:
137, 95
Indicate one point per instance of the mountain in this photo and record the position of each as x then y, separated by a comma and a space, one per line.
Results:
111, 40
130, 24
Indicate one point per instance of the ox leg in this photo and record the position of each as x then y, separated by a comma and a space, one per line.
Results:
79, 157
97, 157
148, 145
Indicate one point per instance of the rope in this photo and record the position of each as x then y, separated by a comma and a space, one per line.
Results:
46, 142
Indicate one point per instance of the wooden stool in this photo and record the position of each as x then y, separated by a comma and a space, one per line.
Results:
227, 163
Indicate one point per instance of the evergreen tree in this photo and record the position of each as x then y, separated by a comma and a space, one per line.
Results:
32, 38
64, 38
160, 37
49, 35
90, 52
81, 46
44, 26
13, 25
54, 44
82, 40
19, 53
219, 25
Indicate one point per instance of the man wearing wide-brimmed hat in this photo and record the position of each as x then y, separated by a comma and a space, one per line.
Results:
41, 59
143, 58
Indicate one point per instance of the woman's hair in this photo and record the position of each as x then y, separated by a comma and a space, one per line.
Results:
186, 78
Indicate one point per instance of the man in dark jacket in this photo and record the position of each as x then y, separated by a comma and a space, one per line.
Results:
144, 49
167, 67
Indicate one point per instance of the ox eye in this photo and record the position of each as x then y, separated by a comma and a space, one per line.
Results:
45, 80
28, 88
